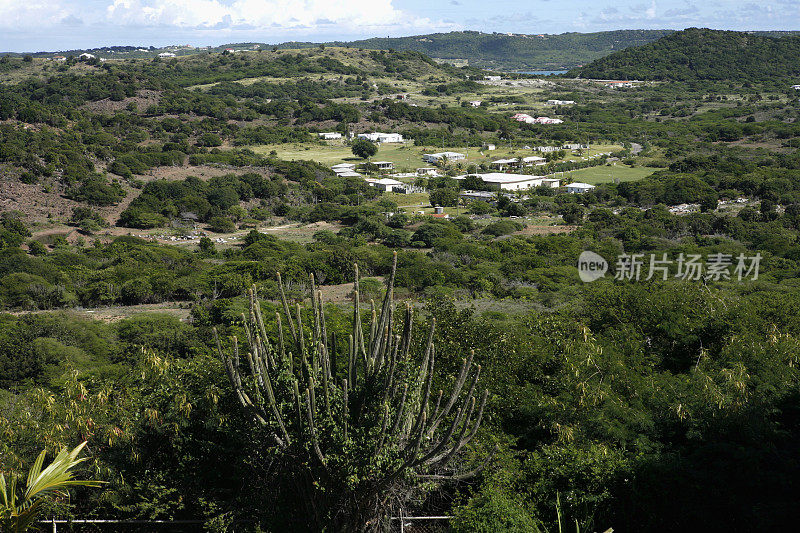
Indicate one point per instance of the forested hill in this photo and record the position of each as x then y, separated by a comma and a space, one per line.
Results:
501, 51
702, 54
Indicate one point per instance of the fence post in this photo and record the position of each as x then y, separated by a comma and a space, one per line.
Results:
55, 527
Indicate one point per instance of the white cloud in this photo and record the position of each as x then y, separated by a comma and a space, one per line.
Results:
284, 14
31, 14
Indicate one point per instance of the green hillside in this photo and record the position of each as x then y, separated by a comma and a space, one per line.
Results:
702, 54
501, 51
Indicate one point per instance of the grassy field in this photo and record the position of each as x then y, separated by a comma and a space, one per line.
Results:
406, 157
607, 174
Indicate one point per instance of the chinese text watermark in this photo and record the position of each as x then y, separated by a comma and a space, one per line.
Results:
696, 267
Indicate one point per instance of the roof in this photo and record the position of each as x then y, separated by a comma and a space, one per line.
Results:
388, 181
533, 158
382, 163
349, 174
580, 185
503, 161
445, 154
500, 177
344, 165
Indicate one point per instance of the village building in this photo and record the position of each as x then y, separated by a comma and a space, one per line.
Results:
330, 135
547, 149
579, 188
533, 160
166, 54
475, 103
427, 171
383, 165
511, 182
378, 137
492, 78
500, 164
489, 147
442, 156
387, 185
575, 146
560, 102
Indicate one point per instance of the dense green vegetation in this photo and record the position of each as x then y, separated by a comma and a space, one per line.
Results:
643, 405
703, 54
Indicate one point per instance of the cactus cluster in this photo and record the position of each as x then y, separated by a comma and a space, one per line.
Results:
362, 411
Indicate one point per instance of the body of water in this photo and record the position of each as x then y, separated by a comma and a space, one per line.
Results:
542, 72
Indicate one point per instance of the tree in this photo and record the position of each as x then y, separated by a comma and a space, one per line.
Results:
363, 148
444, 197
356, 428
221, 224
19, 511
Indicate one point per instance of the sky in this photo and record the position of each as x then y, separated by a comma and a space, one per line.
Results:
51, 25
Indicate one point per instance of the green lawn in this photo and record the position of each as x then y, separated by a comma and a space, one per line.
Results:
607, 174
406, 157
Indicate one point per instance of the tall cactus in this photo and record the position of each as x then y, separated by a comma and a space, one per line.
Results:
360, 426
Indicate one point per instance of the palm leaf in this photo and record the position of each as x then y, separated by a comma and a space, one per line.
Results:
55, 479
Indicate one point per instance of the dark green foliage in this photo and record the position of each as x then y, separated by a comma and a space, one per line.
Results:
363, 148
703, 54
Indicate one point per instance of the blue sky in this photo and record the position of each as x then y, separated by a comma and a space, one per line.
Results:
34, 25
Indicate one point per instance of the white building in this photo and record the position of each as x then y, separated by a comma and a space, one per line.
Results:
427, 171
330, 135
500, 164
345, 170
85, 56
523, 117
489, 147
475, 103
348, 174
547, 120
166, 54
387, 185
560, 102
442, 156
546, 149
511, 182
579, 188
533, 160
575, 146
383, 165
382, 137
493, 78
796, 87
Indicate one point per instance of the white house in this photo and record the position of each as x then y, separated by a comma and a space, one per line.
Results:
86, 56
533, 160
59, 58
475, 103
330, 135
489, 147
427, 171
560, 102
579, 188
500, 164
493, 78
553, 183
575, 146
378, 137
523, 117
166, 54
547, 120
545, 149
348, 174
441, 156
508, 182
383, 165
343, 166
796, 87
387, 185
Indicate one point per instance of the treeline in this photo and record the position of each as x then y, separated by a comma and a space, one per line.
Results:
703, 54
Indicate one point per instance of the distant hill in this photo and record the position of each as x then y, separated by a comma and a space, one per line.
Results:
485, 50
703, 54
510, 52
